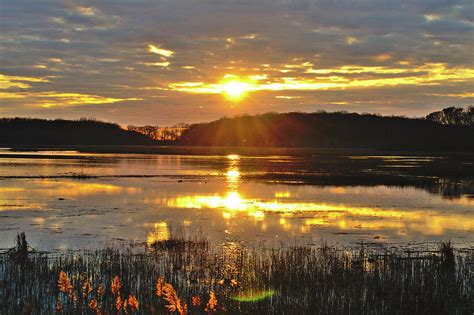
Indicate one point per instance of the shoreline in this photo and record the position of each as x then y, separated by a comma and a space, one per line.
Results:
226, 150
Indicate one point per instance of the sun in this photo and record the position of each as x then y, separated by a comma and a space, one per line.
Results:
235, 90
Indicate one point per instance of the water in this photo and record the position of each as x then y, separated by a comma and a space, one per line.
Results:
70, 200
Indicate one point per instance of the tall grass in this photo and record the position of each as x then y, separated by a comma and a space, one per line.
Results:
192, 276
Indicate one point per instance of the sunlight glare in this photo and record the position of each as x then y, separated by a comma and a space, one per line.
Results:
235, 90
232, 175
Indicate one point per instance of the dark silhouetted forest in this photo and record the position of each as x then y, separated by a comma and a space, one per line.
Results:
331, 130
26, 131
450, 129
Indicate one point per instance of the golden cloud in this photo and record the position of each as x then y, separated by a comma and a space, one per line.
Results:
351, 40
160, 51
336, 79
58, 99
157, 64
87, 11
9, 81
53, 99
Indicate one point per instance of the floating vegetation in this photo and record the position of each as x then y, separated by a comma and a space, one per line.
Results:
191, 276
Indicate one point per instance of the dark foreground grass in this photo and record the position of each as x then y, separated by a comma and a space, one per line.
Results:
234, 279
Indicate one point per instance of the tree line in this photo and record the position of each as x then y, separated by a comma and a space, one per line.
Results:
339, 129
28, 131
449, 129
161, 133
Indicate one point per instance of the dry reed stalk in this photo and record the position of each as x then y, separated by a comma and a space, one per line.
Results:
196, 300
212, 303
93, 305
174, 302
86, 289
65, 286
116, 285
118, 303
59, 306
131, 303
64, 283
159, 286
101, 290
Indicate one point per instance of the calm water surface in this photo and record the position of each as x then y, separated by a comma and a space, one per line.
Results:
68, 200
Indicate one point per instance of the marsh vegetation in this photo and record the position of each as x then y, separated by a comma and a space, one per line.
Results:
190, 275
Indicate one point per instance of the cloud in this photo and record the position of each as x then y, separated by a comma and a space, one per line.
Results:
461, 95
9, 81
382, 57
55, 99
350, 40
164, 61
432, 17
340, 78
87, 11
160, 51
158, 64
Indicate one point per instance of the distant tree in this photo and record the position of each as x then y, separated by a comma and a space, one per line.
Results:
160, 133
453, 116
88, 119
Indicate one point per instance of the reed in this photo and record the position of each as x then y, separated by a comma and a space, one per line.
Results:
192, 276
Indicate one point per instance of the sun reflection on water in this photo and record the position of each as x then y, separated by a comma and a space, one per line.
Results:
237, 207
340, 216
232, 175
233, 157
159, 232
282, 194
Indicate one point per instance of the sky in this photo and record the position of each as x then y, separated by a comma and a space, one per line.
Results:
164, 62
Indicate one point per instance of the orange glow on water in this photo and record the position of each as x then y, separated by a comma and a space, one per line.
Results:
339, 216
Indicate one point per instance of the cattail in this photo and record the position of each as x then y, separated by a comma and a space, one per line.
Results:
174, 303
196, 300
212, 303
116, 285
159, 286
